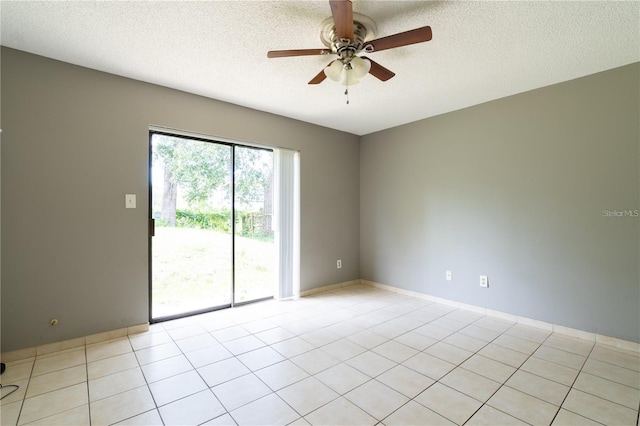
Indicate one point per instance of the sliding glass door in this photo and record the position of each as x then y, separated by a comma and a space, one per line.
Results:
211, 206
254, 249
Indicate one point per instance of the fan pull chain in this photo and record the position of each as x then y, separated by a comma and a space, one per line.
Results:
346, 92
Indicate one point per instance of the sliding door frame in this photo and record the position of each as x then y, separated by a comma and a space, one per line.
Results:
232, 145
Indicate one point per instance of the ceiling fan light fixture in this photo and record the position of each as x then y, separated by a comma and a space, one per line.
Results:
334, 70
360, 66
349, 77
349, 73
346, 35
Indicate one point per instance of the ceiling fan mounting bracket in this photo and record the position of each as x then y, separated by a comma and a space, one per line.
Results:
364, 29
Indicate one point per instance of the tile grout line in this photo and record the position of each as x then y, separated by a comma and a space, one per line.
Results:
571, 386
614, 364
210, 388
573, 383
250, 372
593, 395
442, 340
370, 379
457, 366
412, 399
157, 407
313, 375
133, 351
86, 365
518, 369
287, 358
423, 351
138, 366
501, 384
276, 392
24, 399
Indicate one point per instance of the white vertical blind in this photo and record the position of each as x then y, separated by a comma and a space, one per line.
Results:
287, 221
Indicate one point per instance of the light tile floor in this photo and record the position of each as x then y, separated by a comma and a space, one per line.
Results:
355, 356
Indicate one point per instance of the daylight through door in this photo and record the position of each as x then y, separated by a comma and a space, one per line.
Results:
211, 208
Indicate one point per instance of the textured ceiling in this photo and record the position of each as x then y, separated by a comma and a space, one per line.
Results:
480, 50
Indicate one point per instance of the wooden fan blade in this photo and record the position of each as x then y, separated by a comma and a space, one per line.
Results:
342, 12
320, 77
418, 35
298, 52
379, 71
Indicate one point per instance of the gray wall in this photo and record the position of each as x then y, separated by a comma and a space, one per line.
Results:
75, 141
514, 189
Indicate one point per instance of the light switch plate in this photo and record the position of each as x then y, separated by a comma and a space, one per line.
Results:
130, 201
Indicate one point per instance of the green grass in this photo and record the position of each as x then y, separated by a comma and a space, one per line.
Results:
192, 269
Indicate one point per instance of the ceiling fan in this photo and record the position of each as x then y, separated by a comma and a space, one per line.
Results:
348, 36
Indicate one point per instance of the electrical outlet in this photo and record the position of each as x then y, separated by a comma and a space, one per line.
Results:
484, 281
448, 275
339, 264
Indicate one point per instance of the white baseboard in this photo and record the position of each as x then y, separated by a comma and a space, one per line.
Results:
72, 343
329, 287
141, 328
555, 328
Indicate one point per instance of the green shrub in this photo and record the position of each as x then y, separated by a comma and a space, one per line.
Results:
248, 224
217, 221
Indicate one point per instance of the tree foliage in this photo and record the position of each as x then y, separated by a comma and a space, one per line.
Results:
200, 169
254, 172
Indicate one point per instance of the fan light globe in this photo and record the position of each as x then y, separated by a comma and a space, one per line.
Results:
348, 75
334, 70
360, 66
349, 78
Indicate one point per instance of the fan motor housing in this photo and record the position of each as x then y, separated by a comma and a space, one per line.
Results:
364, 29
